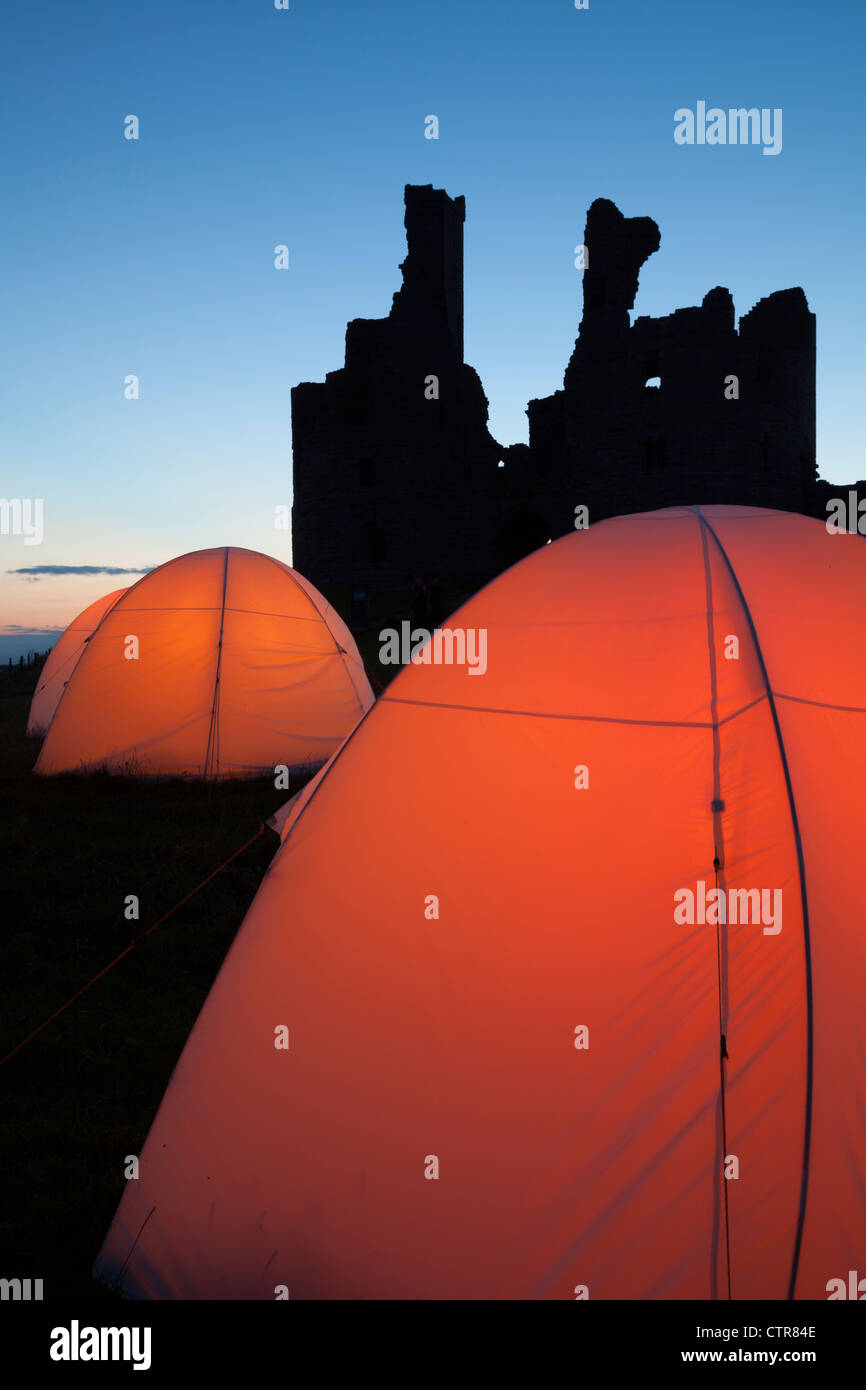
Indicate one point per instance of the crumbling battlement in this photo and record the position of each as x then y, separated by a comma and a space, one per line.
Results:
396, 473
732, 418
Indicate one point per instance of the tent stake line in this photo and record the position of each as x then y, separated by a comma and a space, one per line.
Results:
133, 943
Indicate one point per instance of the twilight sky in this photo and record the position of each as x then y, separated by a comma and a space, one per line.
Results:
261, 126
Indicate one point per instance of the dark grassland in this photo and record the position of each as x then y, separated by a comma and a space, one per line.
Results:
80, 1096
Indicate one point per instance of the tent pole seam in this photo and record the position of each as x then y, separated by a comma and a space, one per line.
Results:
801, 866
212, 738
719, 871
85, 645
338, 650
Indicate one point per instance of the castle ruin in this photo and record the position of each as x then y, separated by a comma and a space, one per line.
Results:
396, 473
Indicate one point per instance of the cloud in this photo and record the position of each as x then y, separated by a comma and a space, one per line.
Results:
10, 629
36, 570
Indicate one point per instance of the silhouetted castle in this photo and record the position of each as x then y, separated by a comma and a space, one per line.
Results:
396, 473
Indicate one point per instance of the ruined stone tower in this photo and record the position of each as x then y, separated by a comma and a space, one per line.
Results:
392, 455
732, 418
396, 473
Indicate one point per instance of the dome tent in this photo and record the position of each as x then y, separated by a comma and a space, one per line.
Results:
221, 663
525, 1057
62, 660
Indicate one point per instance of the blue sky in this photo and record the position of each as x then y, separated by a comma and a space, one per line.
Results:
260, 127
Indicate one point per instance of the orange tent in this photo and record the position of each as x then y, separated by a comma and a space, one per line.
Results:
222, 663
554, 988
62, 661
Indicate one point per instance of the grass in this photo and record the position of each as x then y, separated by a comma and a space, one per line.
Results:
80, 1097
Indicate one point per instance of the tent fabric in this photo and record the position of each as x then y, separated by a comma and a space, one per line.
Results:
221, 663
282, 820
62, 661
453, 905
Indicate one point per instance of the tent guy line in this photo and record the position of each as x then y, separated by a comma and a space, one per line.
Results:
130, 947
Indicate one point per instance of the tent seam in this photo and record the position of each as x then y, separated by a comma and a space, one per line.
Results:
721, 942
801, 866
589, 718
212, 733
86, 645
338, 650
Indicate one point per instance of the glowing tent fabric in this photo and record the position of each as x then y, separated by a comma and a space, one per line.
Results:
524, 1058
222, 663
62, 660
